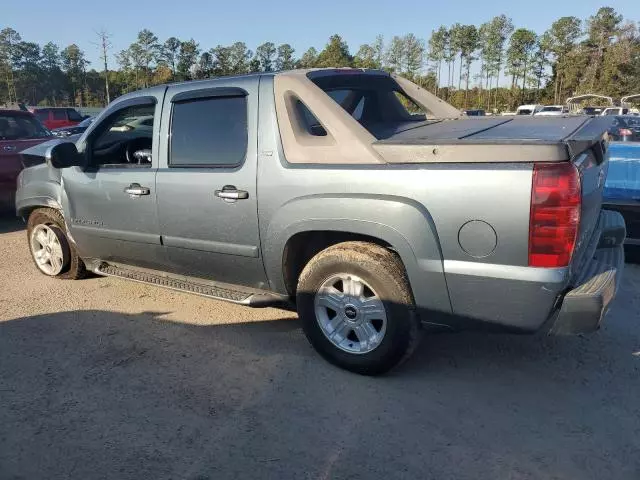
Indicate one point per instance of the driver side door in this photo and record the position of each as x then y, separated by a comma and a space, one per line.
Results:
110, 205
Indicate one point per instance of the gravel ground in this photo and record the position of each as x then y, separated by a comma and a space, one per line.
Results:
107, 379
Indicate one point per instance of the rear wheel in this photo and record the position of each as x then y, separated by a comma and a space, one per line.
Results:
357, 309
50, 248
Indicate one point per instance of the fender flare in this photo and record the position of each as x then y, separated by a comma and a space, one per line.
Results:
402, 223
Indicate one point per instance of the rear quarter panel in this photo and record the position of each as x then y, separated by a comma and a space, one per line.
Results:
419, 209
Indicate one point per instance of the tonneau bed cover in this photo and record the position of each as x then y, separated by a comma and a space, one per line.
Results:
488, 139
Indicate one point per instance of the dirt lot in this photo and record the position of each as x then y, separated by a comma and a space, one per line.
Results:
105, 379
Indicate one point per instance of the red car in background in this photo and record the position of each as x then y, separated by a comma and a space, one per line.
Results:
57, 117
19, 130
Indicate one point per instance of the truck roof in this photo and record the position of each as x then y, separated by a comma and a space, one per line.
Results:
317, 72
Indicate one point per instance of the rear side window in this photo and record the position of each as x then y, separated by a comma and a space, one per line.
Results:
59, 115
73, 115
209, 132
42, 115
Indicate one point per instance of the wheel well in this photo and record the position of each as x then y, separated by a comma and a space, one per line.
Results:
303, 246
27, 211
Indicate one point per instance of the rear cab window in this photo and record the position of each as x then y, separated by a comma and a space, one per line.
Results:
377, 102
209, 132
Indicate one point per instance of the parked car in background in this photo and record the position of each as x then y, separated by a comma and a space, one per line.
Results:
74, 130
131, 124
345, 192
625, 128
592, 110
18, 130
552, 111
528, 109
622, 190
475, 113
57, 117
615, 111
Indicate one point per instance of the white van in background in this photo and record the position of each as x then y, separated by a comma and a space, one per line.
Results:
615, 111
529, 109
553, 111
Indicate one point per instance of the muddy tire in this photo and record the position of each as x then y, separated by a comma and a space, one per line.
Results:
357, 309
52, 252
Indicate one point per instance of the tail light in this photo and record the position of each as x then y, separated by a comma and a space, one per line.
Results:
625, 132
556, 199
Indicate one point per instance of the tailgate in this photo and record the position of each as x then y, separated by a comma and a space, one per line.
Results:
591, 157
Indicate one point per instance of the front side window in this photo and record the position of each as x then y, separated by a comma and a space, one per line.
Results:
125, 138
209, 132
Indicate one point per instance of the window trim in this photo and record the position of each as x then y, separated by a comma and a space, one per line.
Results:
200, 95
203, 93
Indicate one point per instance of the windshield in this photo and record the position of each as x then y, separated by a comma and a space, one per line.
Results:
21, 127
552, 109
633, 122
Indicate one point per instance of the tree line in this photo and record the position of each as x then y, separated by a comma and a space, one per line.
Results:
494, 65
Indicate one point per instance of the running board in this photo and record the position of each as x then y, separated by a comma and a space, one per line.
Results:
248, 297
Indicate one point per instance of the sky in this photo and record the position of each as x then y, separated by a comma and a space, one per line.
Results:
302, 23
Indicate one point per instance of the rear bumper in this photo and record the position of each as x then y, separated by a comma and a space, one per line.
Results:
584, 307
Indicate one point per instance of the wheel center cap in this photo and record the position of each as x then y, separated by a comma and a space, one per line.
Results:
350, 312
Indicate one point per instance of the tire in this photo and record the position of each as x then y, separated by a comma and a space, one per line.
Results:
51, 220
381, 273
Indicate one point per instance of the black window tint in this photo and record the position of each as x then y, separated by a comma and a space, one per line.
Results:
73, 115
209, 132
59, 115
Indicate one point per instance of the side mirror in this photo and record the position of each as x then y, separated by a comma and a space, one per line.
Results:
64, 155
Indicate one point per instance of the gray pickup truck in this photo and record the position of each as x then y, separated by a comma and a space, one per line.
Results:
362, 199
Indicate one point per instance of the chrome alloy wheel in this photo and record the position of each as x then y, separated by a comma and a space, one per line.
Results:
47, 249
350, 313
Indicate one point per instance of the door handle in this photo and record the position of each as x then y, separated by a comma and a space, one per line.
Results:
230, 194
135, 190
9, 148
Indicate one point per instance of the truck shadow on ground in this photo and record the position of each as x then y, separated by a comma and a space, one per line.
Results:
98, 394
10, 223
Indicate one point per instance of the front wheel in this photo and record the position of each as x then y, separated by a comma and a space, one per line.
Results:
50, 248
357, 309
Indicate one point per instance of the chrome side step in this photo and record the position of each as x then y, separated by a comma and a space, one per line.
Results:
248, 297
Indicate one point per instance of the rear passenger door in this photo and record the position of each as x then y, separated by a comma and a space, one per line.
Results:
58, 118
206, 182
